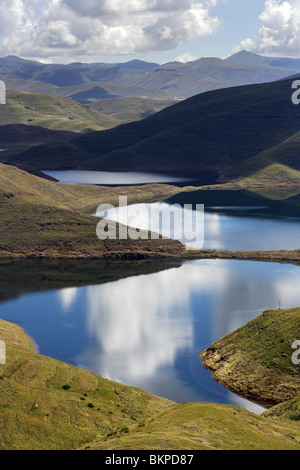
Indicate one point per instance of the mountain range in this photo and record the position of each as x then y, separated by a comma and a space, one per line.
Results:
86, 83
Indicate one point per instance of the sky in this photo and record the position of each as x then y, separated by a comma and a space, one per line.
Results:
160, 31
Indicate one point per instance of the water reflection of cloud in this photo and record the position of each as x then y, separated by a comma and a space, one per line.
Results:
172, 221
67, 298
288, 291
252, 288
141, 323
250, 406
142, 326
214, 230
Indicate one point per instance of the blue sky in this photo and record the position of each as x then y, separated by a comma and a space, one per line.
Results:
240, 20
154, 30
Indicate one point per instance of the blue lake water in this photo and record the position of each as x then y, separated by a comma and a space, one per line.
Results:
112, 178
255, 224
146, 327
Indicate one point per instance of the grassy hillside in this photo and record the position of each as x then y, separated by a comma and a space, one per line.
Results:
30, 119
208, 135
203, 426
40, 218
130, 108
18, 137
49, 405
52, 113
46, 404
255, 361
282, 158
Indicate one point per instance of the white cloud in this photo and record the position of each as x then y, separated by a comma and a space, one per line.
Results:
67, 297
11, 14
184, 58
280, 32
72, 28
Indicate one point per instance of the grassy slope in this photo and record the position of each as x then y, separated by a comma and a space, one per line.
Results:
38, 219
279, 163
19, 137
130, 108
203, 426
48, 405
255, 361
52, 113
275, 174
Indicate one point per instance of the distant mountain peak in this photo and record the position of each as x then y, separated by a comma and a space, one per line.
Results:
244, 52
245, 57
138, 64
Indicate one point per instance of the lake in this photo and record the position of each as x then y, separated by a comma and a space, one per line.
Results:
231, 220
145, 323
113, 178
148, 329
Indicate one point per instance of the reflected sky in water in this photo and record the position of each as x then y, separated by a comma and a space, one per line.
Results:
148, 330
211, 230
112, 177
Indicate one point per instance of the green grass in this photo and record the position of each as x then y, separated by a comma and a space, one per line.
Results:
40, 218
46, 404
255, 361
130, 109
52, 113
205, 426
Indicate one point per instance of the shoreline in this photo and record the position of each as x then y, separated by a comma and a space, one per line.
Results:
280, 256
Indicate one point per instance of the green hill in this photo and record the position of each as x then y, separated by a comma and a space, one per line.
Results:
44, 219
255, 361
30, 119
208, 136
52, 113
129, 109
15, 136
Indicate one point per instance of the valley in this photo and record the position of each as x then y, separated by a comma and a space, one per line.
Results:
123, 344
